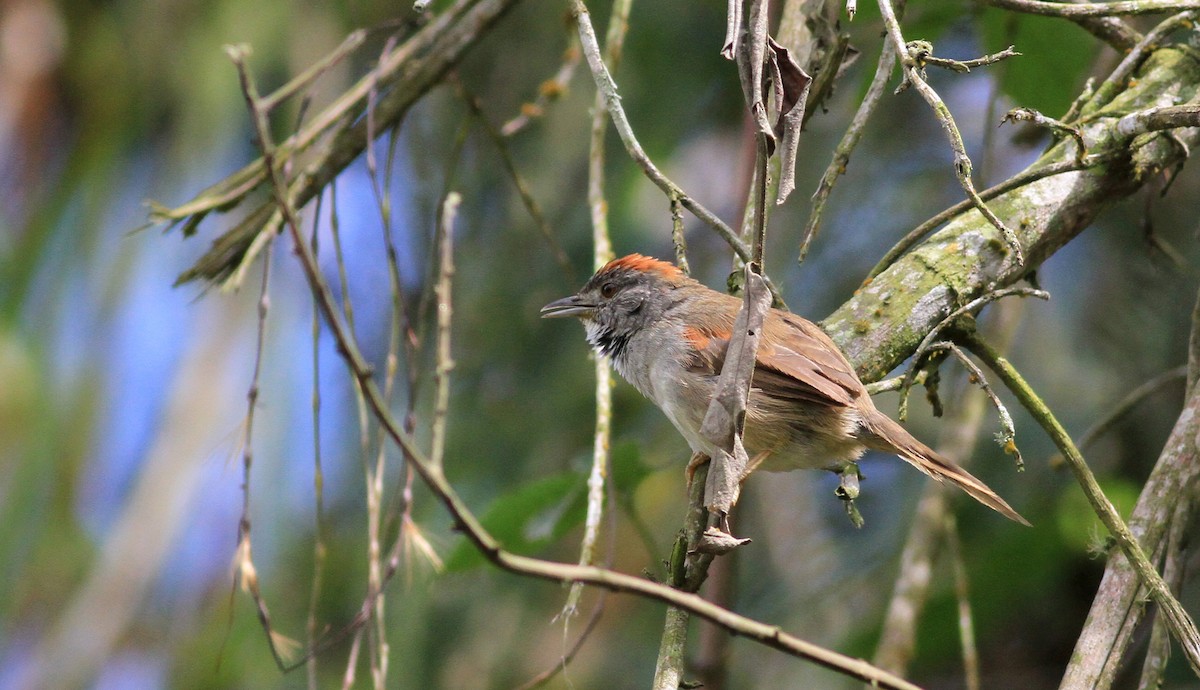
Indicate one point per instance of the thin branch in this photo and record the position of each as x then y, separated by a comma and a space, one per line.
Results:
532, 207
1160, 118
445, 311
1006, 438
1133, 59
558, 667
1059, 128
962, 594
1094, 9
319, 550
602, 253
247, 574
929, 339
1180, 623
550, 90
963, 66
1131, 400
612, 102
678, 240
918, 233
849, 140
909, 54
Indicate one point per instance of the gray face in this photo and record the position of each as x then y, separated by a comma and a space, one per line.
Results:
614, 305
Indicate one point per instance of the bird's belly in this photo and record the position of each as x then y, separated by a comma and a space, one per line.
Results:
796, 435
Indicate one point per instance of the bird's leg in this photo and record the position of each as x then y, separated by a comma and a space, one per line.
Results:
694, 464
848, 490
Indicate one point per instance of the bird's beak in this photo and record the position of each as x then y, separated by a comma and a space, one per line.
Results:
567, 306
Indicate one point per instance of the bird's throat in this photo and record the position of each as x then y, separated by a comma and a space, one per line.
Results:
606, 341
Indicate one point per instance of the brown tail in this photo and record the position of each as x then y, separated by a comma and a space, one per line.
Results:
887, 435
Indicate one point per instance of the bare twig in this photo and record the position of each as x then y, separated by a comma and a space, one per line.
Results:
550, 90
1006, 438
445, 310
950, 319
966, 625
1059, 128
849, 140
247, 574
532, 207
601, 254
909, 52
318, 477
1160, 118
1127, 403
677, 237
966, 65
1015, 182
608, 89
1094, 9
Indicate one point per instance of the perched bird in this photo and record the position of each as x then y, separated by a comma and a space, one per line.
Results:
667, 335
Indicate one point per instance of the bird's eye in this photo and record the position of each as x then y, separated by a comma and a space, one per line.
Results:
608, 290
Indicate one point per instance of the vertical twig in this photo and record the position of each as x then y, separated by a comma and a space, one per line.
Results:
445, 310
602, 253
854, 132
318, 474
966, 625
962, 163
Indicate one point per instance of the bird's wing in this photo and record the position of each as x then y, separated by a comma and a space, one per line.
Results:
796, 361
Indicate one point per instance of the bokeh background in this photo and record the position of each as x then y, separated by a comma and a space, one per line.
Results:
123, 398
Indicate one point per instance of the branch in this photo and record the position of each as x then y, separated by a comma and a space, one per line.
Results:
1180, 623
885, 320
334, 138
849, 140
612, 102
1162, 117
1094, 9
910, 56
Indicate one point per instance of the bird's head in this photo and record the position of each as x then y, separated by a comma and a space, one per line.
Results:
624, 296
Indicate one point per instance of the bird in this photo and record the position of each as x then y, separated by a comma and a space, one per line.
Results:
667, 334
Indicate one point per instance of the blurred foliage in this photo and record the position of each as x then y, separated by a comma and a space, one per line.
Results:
108, 372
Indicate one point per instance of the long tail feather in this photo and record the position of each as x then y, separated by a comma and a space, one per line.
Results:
887, 435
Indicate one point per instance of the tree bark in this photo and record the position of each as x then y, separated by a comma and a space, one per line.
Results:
887, 318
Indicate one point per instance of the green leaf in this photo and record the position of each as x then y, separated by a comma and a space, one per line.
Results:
528, 518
